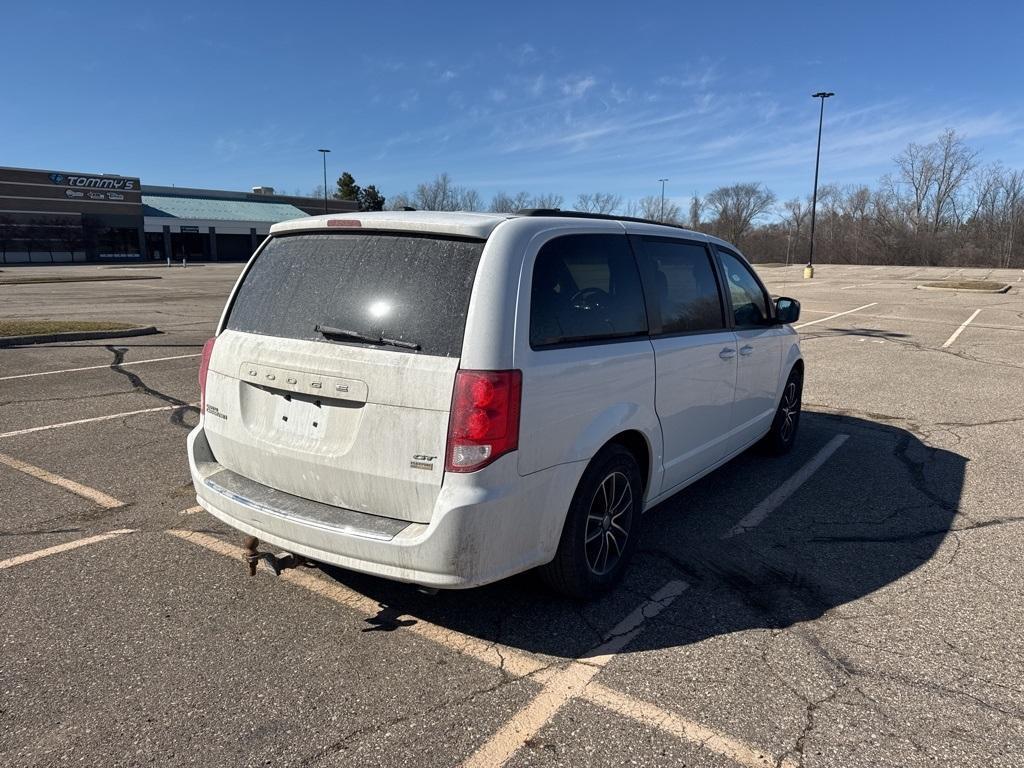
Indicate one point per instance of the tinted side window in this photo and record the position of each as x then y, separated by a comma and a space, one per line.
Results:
749, 303
585, 288
683, 286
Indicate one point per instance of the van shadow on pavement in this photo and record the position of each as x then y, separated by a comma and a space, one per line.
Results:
876, 510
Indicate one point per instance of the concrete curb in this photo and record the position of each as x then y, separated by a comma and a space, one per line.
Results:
161, 265
1002, 289
74, 279
47, 338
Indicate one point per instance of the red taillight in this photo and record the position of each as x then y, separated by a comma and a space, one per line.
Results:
204, 367
484, 422
344, 223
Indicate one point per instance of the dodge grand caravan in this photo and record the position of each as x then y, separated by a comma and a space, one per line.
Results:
447, 399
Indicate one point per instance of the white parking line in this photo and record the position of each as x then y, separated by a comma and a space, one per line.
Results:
96, 367
512, 661
683, 728
960, 330
847, 287
757, 515
518, 664
61, 548
98, 497
191, 511
568, 683
837, 314
109, 417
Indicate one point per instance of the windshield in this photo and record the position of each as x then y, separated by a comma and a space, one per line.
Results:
406, 288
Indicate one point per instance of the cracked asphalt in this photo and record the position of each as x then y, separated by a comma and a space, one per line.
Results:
873, 619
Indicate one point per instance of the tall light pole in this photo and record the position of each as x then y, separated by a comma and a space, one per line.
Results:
324, 153
809, 269
662, 218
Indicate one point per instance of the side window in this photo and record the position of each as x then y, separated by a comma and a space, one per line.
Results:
749, 302
585, 288
683, 286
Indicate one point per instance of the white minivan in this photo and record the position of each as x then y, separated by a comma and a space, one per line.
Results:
448, 399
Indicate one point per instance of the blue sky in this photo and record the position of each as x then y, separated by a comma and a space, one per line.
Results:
546, 97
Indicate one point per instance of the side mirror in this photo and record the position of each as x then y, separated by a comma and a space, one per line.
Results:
787, 310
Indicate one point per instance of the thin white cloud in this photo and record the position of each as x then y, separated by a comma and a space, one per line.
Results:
694, 76
525, 54
576, 87
409, 100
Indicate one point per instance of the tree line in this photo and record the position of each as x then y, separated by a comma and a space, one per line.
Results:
939, 206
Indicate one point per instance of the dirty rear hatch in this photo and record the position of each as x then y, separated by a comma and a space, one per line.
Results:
332, 379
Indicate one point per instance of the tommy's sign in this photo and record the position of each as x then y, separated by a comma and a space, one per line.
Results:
94, 182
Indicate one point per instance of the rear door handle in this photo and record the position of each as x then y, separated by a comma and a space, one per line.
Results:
728, 353
746, 350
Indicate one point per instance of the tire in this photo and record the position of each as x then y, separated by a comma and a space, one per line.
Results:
782, 434
601, 529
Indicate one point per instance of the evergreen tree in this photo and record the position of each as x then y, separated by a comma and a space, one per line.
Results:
370, 199
347, 188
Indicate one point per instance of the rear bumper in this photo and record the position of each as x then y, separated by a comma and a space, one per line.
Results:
485, 525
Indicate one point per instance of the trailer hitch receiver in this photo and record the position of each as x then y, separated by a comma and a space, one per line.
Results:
253, 555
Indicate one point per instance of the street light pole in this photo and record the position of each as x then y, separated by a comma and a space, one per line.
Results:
662, 217
809, 269
324, 152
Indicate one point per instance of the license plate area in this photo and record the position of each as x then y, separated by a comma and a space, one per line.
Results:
307, 423
300, 415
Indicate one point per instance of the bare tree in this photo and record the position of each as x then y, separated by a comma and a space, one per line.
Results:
548, 200
696, 211
437, 195
953, 161
651, 208
598, 202
1013, 196
736, 207
468, 200
503, 203
938, 206
631, 208
400, 202
441, 194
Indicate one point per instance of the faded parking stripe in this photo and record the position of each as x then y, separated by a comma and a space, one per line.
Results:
515, 663
569, 683
61, 548
958, 331
757, 515
108, 417
96, 367
682, 728
837, 314
97, 497
519, 665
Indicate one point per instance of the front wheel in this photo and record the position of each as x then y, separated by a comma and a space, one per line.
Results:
601, 528
780, 437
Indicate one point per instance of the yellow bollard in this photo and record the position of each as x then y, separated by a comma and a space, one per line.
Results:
808, 272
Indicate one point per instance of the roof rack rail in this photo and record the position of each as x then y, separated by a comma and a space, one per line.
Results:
585, 215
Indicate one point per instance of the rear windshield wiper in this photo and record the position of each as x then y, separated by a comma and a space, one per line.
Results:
341, 333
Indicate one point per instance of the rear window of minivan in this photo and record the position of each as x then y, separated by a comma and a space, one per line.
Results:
412, 288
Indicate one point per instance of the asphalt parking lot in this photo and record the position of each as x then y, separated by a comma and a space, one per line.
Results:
854, 603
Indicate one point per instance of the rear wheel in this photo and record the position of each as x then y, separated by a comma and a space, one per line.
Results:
601, 528
787, 417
